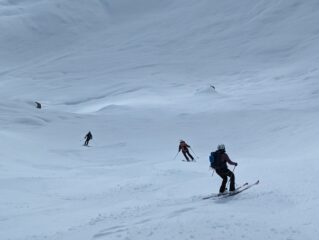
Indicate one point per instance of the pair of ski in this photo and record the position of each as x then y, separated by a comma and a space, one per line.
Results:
238, 190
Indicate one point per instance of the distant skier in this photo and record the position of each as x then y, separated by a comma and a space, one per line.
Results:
218, 161
38, 105
87, 138
184, 147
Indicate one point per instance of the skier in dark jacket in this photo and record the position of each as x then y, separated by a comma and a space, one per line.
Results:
87, 138
221, 160
184, 147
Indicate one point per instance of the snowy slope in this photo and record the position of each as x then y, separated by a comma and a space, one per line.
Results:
137, 74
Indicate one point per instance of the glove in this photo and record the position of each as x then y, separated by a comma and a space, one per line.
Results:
236, 164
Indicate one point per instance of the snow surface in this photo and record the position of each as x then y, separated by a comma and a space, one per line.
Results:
138, 75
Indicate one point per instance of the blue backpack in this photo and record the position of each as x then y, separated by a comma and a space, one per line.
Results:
216, 160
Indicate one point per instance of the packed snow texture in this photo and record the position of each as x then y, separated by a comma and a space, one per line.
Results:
139, 74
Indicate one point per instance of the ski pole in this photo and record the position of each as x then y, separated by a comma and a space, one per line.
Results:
194, 153
175, 156
234, 171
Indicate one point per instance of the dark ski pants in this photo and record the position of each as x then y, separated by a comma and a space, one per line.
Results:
86, 142
187, 154
224, 173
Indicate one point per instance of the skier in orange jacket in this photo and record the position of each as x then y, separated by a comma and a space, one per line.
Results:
184, 147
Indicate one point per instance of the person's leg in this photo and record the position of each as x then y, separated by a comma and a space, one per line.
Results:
222, 174
190, 155
185, 155
232, 180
